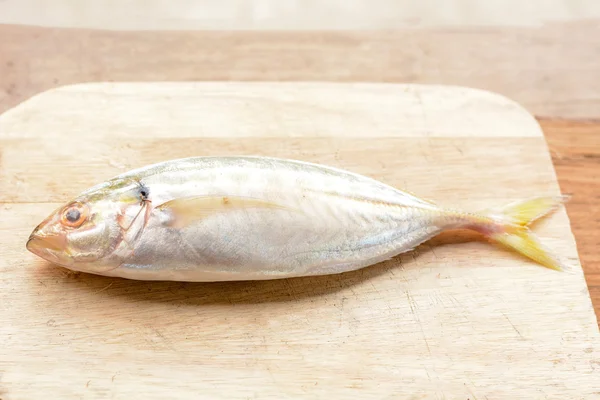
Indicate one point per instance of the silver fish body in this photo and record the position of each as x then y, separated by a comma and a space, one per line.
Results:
253, 218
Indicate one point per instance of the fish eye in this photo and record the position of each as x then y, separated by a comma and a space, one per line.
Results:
74, 215
144, 192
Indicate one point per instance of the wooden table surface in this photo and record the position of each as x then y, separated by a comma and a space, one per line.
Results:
552, 69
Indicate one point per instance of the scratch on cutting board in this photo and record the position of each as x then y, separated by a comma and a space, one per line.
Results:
105, 288
461, 308
416, 316
341, 308
165, 341
513, 325
381, 297
457, 147
432, 249
469, 389
271, 374
414, 254
391, 269
290, 290
375, 289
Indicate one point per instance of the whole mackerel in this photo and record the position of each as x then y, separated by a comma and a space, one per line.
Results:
250, 218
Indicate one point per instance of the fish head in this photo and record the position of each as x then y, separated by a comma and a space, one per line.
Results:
96, 231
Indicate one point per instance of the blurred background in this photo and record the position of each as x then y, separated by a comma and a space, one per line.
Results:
544, 54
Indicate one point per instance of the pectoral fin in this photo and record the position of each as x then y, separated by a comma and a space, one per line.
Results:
189, 209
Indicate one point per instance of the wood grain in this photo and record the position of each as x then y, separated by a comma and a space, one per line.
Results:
539, 68
455, 318
575, 149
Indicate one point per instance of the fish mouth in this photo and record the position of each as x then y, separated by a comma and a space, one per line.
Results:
45, 245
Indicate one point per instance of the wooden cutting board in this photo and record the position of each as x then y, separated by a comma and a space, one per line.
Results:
455, 319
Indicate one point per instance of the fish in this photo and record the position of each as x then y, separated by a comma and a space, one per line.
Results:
227, 218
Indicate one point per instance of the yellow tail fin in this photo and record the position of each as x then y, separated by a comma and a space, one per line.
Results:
511, 228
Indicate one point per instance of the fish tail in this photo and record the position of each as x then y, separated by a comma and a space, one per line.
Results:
510, 227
